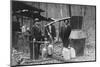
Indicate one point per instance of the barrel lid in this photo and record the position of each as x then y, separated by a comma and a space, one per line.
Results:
77, 34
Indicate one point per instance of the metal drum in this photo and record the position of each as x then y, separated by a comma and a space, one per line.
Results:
77, 38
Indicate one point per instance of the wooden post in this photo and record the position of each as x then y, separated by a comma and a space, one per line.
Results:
69, 10
59, 22
33, 49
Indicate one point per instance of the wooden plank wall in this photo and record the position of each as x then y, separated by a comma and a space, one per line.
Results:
56, 11
89, 23
53, 10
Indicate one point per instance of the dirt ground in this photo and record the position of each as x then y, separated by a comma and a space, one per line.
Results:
89, 55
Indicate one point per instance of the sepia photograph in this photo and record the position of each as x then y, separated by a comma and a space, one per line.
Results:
44, 33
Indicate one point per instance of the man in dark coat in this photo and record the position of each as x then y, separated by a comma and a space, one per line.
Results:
50, 29
37, 35
65, 33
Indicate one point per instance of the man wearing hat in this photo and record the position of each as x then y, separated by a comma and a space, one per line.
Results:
36, 34
65, 33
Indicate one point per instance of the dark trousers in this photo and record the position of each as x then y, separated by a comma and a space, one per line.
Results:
37, 50
65, 42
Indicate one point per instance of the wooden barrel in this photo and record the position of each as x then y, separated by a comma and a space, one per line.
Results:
77, 38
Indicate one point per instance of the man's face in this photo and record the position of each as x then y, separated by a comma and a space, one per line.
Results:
66, 21
37, 24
